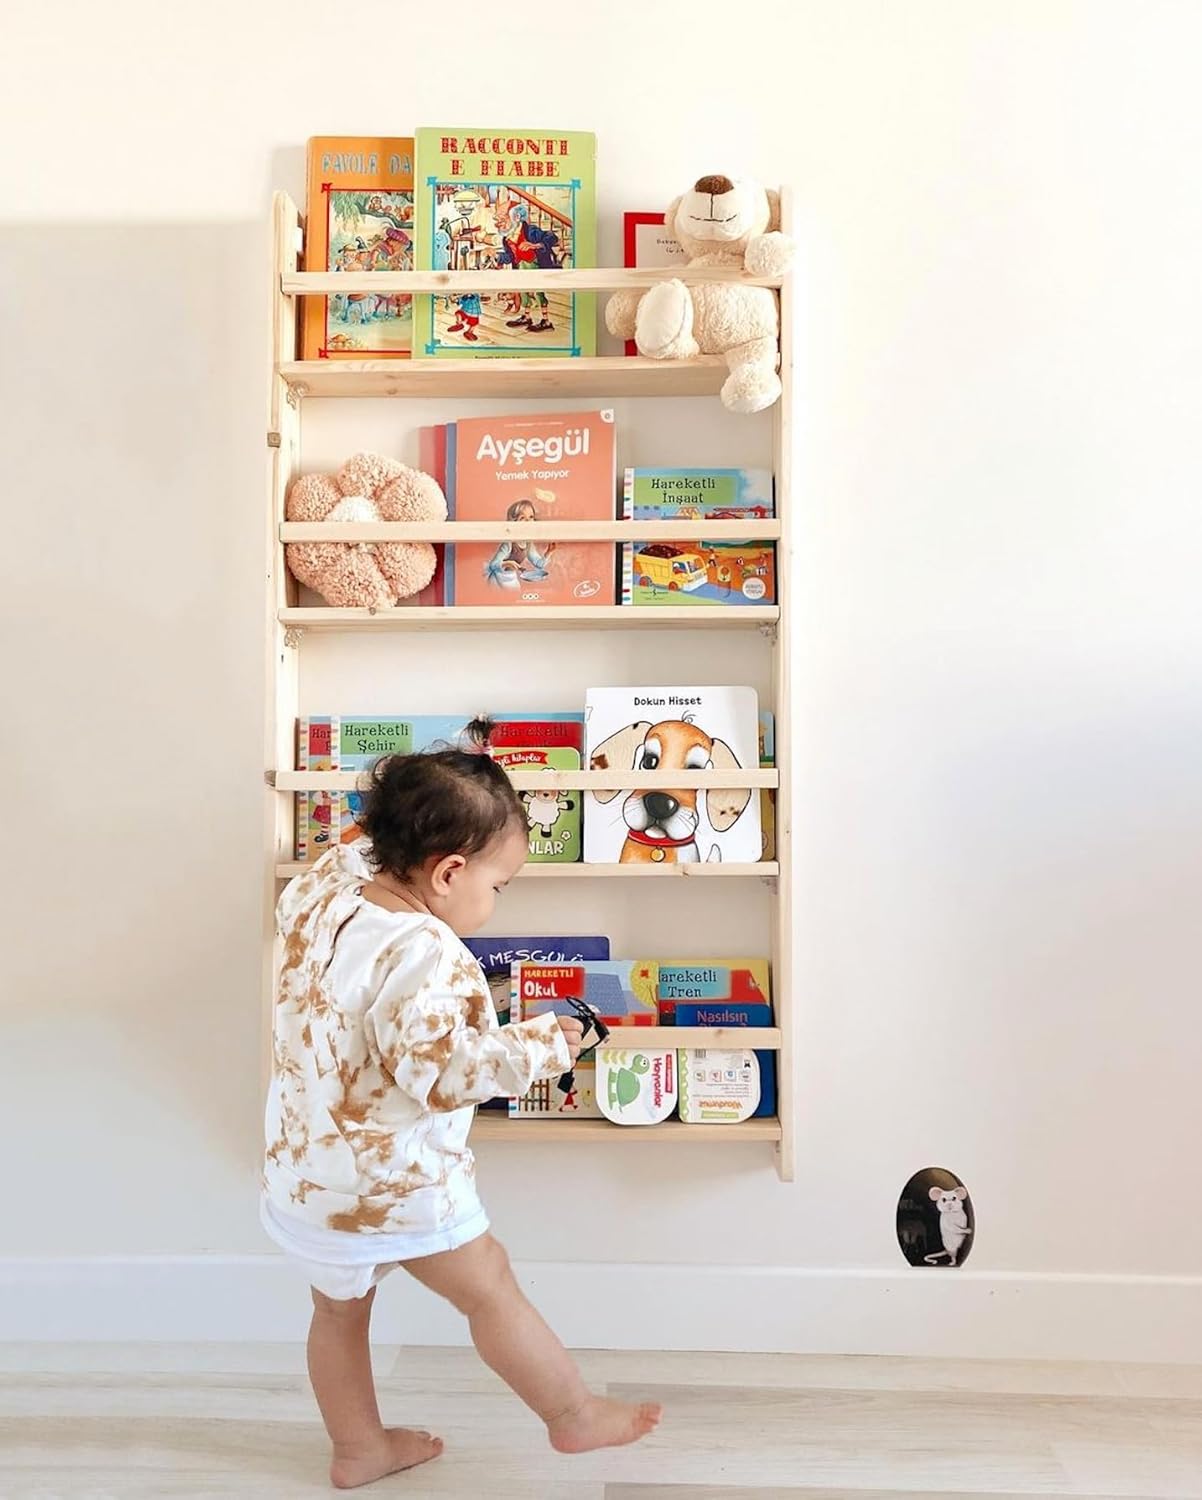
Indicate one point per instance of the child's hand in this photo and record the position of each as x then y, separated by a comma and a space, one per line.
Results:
573, 1034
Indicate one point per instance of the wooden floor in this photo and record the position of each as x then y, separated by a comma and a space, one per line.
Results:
169, 1422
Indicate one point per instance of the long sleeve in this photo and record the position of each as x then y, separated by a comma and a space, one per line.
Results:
433, 1027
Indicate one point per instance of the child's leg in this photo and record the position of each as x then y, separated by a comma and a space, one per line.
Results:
340, 1369
515, 1342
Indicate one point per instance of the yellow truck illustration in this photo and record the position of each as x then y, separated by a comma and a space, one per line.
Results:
663, 566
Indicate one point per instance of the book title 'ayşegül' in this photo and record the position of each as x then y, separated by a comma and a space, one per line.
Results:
553, 449
504, 156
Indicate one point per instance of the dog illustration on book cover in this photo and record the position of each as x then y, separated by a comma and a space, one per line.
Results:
663, 825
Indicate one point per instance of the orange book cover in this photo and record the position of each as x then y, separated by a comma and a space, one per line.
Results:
359, 217
540, 466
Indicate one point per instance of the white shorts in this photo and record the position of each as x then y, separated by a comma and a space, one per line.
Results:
345, 1267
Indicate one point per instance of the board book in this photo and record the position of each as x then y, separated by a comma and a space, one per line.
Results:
553, 821
664, 729
358, 217
507, 200
647, 243
354, 742
621, 991
733, 1013
549, 466
497, 955
698, 571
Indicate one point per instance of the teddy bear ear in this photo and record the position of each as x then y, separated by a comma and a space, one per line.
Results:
670, 213
773, 198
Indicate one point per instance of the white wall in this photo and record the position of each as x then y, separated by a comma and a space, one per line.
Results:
999, 790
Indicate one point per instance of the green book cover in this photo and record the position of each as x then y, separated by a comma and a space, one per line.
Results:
552, 816
489, 199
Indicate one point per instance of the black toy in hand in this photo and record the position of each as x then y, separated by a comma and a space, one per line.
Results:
595, 1032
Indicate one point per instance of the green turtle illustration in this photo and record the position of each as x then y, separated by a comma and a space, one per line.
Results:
624, 1082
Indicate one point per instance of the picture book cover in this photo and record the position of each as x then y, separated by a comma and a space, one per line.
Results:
355, 742
666, 729
733, 1013
359, 217
566, 733
432, 460
647, 243
621, 991
719, 1088
497, 955
698, 572
767, 796
552, 817
505, 200
549, 466
713, 982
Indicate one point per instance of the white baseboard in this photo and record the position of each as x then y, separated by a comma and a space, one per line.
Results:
932, 1314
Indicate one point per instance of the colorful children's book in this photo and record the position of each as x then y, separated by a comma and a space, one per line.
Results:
359, 217
510, 200
355, 742
623, 994
647, 243
549, 466
732, 1013
432, 460
698, 572
767, 796
497, 955
667, 729
552, 817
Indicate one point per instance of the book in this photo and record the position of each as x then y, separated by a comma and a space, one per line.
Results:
432, 460
337, 742
697, 571
623, 994
359, 217
497, 955
552, 816
548, 466
767, 795
733, 1013
666, 729
719, 1088
647, 243
508, 200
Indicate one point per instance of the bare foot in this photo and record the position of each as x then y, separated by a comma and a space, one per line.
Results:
402, 1448
602, 1424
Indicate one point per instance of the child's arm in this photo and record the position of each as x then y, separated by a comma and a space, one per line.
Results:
431, 1026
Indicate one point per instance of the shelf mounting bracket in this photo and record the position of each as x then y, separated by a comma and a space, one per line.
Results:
292, 636
768, 629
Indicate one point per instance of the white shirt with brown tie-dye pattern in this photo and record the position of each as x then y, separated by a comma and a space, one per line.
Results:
385, 1037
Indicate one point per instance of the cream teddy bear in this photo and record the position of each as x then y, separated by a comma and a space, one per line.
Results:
718, 223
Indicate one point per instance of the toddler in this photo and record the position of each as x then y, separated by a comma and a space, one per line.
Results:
385, 1038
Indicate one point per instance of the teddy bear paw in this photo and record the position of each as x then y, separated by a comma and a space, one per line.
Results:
750, 388
664, 329
769, 254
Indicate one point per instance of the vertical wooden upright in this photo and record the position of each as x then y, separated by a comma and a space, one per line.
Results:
782, 916
283, 442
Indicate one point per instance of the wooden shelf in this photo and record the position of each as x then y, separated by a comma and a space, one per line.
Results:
528, 531
507, 378
537, 617
534, 278
494, 1126
674, 1038
500, 377
767, 869
591, 781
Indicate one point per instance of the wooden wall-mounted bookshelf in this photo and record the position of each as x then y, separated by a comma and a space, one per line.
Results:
288, 621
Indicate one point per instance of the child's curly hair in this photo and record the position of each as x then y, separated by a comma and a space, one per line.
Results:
421, 807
